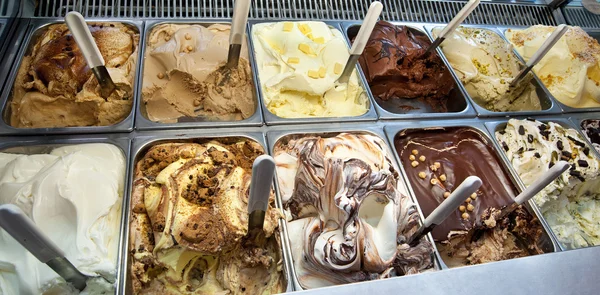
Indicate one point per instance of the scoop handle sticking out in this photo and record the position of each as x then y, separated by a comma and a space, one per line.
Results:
14, 221
453, 24
470, 185
263, 170
91, 53
542, 182
361, 40
238, 29
540, 53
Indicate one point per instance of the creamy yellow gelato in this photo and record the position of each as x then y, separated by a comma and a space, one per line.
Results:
298, 65
571, 70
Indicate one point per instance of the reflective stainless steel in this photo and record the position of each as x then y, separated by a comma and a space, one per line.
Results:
457, 104
142, 122
34, 30
44, 145
546, 243
493, 126
282, 132
548, 104
271, 119
142, 142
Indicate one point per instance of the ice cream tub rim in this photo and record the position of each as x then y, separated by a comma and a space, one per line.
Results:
43, 145
578, 119
141, 120
140, 145
35, 28
272, 119
565, 108
467, 112
543, 93
273, 137
493, 126
391, 130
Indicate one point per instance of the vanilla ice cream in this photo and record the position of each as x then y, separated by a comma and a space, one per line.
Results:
570, 70
74, 195
298, 66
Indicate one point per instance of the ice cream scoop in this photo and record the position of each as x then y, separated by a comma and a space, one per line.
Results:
361, 40
14, 221
89, 49
263, 169
453, 24
238, 28
470, 185
540, 53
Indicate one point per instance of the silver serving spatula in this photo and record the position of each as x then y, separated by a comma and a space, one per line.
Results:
453, 24
90, 52
238, 30
14, 221
263, 170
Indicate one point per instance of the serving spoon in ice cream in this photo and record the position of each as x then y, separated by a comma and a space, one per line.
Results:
82, 35
361, 40
540, 53
238, 29
14, 221
263, 170
453, 24
470, 185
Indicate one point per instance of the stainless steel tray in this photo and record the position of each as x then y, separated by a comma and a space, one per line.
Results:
277, 134
9, 49
34, 30
546, 243
458, 106
493, 126
140, 145
549, 105
141, 119
271, 119
566, 109
43, 145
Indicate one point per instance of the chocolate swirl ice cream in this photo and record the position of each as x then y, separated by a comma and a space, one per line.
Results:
348, 212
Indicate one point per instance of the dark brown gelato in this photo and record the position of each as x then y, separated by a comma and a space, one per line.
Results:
396, 66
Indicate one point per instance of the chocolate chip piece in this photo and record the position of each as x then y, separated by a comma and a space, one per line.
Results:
560, 145
586, 151
577, 142
537, 155
521, 130
530, 119
521, 149
505, 146
542, 127
530, 138
502, 132
550, 164
582, 163
566, 154
577, 174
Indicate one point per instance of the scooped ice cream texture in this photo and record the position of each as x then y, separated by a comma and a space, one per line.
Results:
571, 203
570, 70
185, 77
74, 195
486, 65
56, 88
189, 222
348, 213
298, 66
436, 161
396, 66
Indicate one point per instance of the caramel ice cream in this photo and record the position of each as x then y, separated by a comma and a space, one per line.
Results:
189, 222
55, 87
185, 78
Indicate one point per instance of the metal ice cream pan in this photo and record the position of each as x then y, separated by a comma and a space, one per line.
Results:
595, 33
143, 142
493, 126
578, 119
44, 145
546, 243
280, 133
34, 31
457, 104
272, 119
142, 122
548, 104
12, 45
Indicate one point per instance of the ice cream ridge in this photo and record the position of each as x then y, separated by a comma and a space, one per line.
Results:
298, 66
486, 65
436, 161
189, 222
570, 70
185, 77
73, 194
396, 67
348, 213
570, 204
55, 87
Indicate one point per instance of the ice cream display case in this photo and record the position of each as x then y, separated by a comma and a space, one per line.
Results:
147, 190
